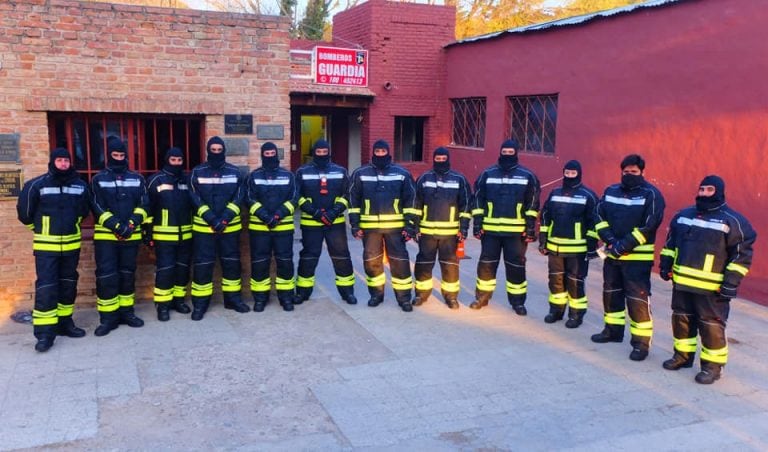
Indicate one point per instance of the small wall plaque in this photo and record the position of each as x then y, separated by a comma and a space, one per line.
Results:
10, 183
238, 124
269, 132
237, 146
9, 147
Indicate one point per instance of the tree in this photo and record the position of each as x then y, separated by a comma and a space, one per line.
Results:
315, 20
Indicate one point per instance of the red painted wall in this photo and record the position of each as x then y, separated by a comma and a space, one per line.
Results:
684, 85
406, 48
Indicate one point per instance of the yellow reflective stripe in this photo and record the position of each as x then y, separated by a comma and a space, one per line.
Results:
531, 213
342, 200
108, 305
126, 300
440, 224
486, 285
260, 286
495, 228
709, 262
396, 205
354, 210
384, 225
719, 355
737, 268
517, 289
303, 281
560, 299
424, 285
202, 290
639, 253
452, 214
601, 225
31, 227
289, 205
64, 310
639, 236
507, 221
46, 226
519, 210
141, 212
45, 317
668, 252
56, 238
163, 218
451, 287
572, 249
644, 329
254, 207
382, 217
577, 231
696, 273
412, 211
284, 284
565, 241
104, 217
375, 281
231, 285
367, 203
302, 201
592, 233
490, 210
687, 345
544, 228
614, 318
578, 303
202, 210
439, 231
311, 222
476, 212
466, 215
179, 291
56, 247
162, 295
697, 283
261, 227
402, 283
345, 281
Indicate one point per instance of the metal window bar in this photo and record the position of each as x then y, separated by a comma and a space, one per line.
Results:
532, 121
469, 122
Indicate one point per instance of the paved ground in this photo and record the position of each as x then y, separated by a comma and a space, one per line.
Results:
331, 376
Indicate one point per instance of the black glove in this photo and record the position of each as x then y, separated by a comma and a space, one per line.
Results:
220, 226
357, 232
618, 249
273, 221
463, 234
125, 231
146, 235
325, 219
728, 291
543, 249
591, 255
210, 218
665, 273
409, 232
477, 229
136, 219
263, 215
317, 215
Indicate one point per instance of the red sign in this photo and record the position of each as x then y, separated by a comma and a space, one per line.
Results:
342, 67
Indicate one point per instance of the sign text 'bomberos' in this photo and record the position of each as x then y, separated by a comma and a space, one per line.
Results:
337, 66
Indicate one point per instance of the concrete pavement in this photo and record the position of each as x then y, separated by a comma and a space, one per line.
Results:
330, 376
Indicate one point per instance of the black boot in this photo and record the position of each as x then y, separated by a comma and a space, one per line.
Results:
301, 296
478, 304
44, 343
553, 317
452, 303
237, 306
163, 312
109, 321
607, 335
375, 300
709, 374
351, 299
678, 361
406, 306
199, 308
638, 354
575, 319
128, 317
520, 310
420, 298
66, 327
179, 306
259, 305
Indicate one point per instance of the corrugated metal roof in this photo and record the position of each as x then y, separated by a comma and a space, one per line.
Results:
574, 20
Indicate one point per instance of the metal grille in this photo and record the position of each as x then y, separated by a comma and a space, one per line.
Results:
532, 121
468, 122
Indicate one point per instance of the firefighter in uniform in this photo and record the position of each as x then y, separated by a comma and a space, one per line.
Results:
52, 206
381, 197
216, 191
505, 209
170, 230
707, 253
568, 237
119, 201
272, 198
629, 214
443, 199
323, 187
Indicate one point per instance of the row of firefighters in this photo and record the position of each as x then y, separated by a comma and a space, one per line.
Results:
193, 218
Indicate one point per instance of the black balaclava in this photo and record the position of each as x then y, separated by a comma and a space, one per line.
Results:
321, 161
714, 202
441, 167
269, 163
173, 169
631, 181
507, 162
59, 175
216, 160
572, 182
383, 161
116, 144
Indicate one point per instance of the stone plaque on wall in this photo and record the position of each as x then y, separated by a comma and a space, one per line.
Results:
9, 147
237, 146
238, 124
269, 132
10, 183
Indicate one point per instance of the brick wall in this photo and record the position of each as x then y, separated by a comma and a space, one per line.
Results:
405, 41
62, 55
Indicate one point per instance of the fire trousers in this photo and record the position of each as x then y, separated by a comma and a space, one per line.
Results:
55, 291
566, 285
172, 272
514, 248
335, 238
628, 283
705, 314
374, 242
442, 247
206, 248
264, 245
115, 275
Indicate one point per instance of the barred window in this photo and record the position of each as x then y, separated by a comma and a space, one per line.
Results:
468, 122
532, 121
